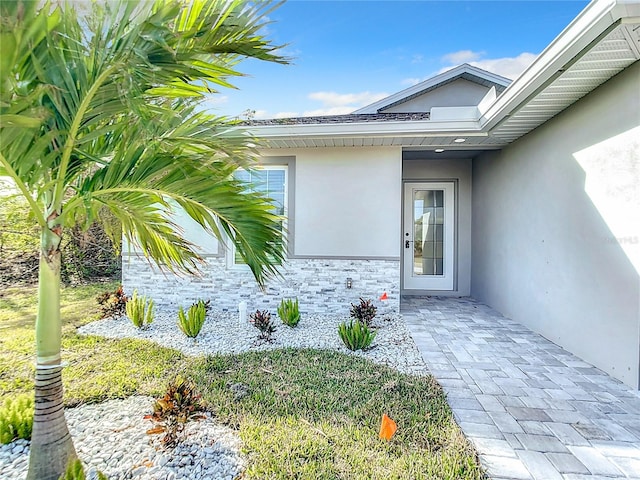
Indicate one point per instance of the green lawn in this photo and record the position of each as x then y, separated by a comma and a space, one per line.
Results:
309, 414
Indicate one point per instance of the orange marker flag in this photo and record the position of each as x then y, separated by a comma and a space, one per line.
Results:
384, 296
387, 428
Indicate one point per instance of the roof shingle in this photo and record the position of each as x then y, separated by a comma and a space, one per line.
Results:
348, 118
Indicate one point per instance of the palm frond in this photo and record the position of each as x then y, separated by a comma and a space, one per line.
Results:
111, 103
182, 162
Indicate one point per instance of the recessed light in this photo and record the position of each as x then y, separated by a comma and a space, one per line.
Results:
439, 150
460, 140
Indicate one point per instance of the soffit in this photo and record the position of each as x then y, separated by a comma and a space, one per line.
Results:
473, 142
612, 54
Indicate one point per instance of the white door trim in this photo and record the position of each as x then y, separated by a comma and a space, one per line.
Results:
413, 280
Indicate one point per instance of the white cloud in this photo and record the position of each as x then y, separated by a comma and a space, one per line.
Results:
510, 67
260, 114
333, 99
329, 111
266, 115
212, 102
462, 56
286, 114
216, 99
341, 103
331, 103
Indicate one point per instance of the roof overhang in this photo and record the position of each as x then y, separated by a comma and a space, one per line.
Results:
603, 40
425, 134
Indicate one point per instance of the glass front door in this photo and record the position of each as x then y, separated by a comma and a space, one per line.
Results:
428, 250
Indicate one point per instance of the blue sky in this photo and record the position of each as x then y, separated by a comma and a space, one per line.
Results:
347, 54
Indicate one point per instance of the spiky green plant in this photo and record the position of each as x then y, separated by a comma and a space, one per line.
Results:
16, 418
191, 323
356, 335
289, 312
140, 311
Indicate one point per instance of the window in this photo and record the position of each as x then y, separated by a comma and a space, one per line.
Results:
272, 180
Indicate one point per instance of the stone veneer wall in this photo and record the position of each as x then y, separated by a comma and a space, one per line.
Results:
319, 285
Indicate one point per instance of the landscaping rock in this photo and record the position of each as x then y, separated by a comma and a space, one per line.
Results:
128, 452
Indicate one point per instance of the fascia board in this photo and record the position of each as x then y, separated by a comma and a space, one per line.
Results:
595, 20
443, 77
396, 129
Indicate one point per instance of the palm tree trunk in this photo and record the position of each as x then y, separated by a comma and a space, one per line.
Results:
51, 443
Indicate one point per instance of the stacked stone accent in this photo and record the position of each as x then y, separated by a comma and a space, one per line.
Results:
319, 284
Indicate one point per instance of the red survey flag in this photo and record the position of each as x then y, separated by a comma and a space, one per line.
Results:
384, 296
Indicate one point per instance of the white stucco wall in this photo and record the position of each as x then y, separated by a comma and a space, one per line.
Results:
555, 228
345, 206
206, 243
458, 170
459, 93
347, 202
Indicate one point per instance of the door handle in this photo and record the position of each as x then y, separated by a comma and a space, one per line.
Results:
406, 244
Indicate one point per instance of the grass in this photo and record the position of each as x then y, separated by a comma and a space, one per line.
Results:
98, 368
309, 414
316, 414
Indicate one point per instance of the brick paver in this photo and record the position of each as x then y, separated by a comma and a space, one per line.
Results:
531, 409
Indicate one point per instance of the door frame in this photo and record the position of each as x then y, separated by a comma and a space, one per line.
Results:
438, 285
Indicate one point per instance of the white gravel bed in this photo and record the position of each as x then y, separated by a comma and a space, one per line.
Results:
111, 436
224, 333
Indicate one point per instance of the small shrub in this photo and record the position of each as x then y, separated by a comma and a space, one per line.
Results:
179, 405
262, 321
191, 322
140, 311
75, 471
289, 312
16, 418
365, 311
356, 335
112, 304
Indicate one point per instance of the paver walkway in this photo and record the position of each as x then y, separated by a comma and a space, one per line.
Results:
531, 409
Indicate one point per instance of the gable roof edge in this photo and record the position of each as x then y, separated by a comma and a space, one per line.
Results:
444, 77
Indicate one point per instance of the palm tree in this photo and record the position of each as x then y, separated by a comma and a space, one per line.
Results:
98, 111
